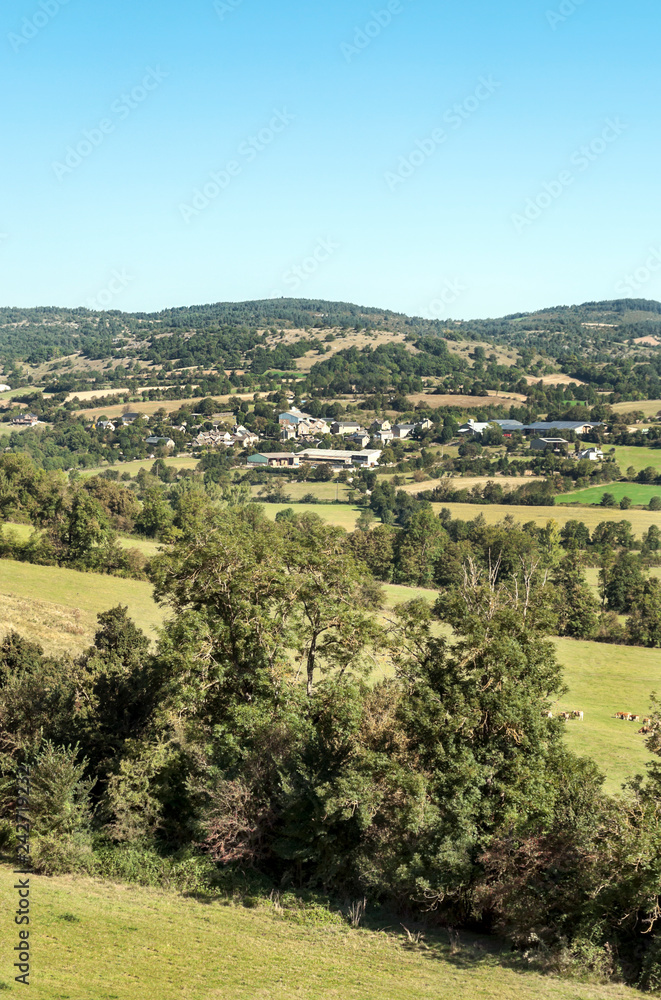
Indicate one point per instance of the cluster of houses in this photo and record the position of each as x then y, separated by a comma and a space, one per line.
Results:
336, 459
217, 438
294, 424
541, 431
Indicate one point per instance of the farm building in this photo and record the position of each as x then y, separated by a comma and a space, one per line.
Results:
274, 460
345, 427
344, 459
558, 445
159, 442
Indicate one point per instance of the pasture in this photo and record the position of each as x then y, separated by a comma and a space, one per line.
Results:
108, 941
638, 493
604, 679
636, 458
648, 407
343, 515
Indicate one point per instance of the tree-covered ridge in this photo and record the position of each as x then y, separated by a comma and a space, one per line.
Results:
231, 332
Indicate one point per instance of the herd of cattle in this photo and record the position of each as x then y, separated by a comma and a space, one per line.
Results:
646, 728
576, 714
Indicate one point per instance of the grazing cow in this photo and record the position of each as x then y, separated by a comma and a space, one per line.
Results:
634, 718
578, 714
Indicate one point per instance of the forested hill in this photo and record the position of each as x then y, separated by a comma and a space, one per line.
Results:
585, 331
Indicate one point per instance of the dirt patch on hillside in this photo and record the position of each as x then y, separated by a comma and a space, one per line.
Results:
557, 379
466, 402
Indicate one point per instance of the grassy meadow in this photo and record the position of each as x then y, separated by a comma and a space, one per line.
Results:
123, 942
604, 679
57, 607
637, 458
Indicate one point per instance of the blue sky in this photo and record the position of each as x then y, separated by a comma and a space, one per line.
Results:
444, 159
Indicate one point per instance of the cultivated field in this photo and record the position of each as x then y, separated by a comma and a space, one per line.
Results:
470, 482
637, 493
640, 520
557, 379
109, 941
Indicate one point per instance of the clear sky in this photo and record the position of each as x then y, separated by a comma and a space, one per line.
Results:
448, 159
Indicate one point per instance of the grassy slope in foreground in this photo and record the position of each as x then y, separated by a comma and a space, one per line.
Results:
127, 942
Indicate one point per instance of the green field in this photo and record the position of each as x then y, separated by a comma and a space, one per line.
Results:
637, 458
105, 941
638, 494
342, 515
